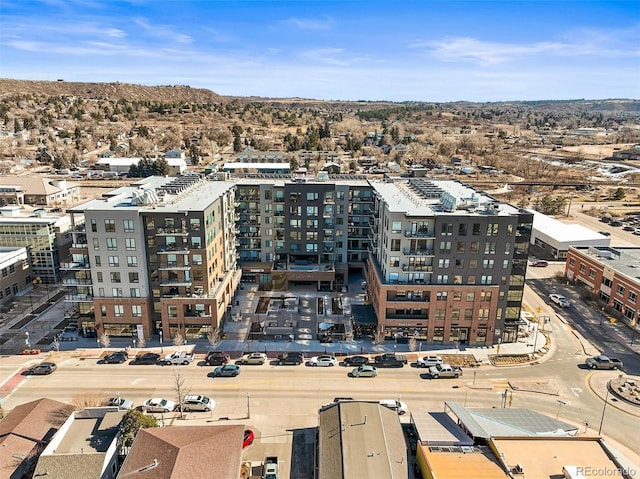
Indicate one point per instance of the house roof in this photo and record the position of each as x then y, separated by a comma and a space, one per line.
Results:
13, 450
35, 185
34, 420
66, 466
361, 439
128, 161
189, 451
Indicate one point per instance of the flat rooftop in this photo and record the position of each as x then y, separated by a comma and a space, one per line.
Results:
90, 434
454, 463
625, 260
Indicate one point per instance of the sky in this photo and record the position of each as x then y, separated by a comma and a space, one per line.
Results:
402, 50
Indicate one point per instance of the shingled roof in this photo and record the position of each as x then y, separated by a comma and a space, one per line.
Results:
185, 451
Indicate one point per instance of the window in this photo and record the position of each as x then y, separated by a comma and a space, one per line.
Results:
488, 279
476, 229
112, 244
118, 310
295, 223
116, 292
99, 276
194, 223
395, 245
445, 247
462, 229
475, 247
196, 242
471, 280
442, 279
114, 261
134, 278
507, 248
633, 296
490, 247
457, 295
172, 311
592, 273
136, 310
468, 314
443, 263
440, 314
459, 263
150, 224
505, 264
197, 259
94, 226
132, 261
572, 262
460, 247
487, 264
442, 295
446, 229
134, 292
115, 277
312, 196
485, 296
312, 211
483, 314
311, 247
395, 261
96, 244
97, 261
110, 226
492, 229
130, 244
471, 296
457, 279
620, 290
128, 226
396, 226
583, 268
473, 263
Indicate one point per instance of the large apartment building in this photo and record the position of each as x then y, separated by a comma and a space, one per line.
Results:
158, 255
295, 231
447, 263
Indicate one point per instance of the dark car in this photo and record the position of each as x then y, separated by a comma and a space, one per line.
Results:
356, 360
147, 358
539, 263
293, 359
118, 357
228, 370
604, 233
42, 368
215, 358
615, 223
629, 228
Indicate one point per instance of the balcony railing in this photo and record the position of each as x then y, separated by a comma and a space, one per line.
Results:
174, 267
72, 266
176, 283
184, 249
413, 267
76, 282
419, 234
417, 252
79, 298
172, 232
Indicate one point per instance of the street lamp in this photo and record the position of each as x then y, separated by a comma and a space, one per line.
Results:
601, 315
160, 332
560, 404
604, 409
248, 406
27, 340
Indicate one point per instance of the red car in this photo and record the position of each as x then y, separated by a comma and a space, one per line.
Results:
248, 438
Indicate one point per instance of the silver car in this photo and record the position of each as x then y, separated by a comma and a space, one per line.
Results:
195, 402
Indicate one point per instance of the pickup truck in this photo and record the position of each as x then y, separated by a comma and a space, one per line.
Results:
603, 362
444, 371
178, 357
270, 468
390, 360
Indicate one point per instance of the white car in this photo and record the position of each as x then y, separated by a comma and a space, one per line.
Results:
159, 405
196, 402
122, 403
559, 300
428, 361
324, 360
398, 406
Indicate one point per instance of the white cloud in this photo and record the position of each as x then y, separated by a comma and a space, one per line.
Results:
309, 23
164, 31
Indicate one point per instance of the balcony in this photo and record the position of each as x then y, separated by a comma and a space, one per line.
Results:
78, 245
77, 282
176, 283
74, 266
421, 233
417, 252
413, 267
174, 267
172, 232
173, 249
79, 298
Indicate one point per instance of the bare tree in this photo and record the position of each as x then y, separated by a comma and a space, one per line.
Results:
89, 399
178, 339
214, 336
141, 342
180, 389
413, 343
105, 340
378, 336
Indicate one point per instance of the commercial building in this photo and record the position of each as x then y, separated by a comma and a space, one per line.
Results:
156, 257
447, 262
611, 274
552, 238
15, 272
38, 191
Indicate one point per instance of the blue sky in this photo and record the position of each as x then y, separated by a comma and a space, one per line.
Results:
418, 50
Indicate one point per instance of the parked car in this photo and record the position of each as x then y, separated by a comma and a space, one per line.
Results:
364, 371
196, 402
636, 231
603, 362
559, 300
159, 405
121, 402
606, 219
249, 437
615, 223
398, 406
253, 358
324, 360
147, 358
444, 371
43, 368
539, 263
118, 357
355, 360
179, 357
604, 233
292, 358
428, 361
629, 228
227, 370
215, 358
